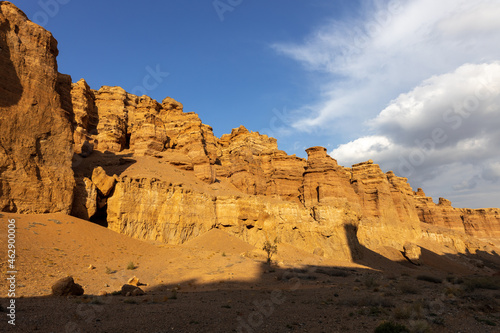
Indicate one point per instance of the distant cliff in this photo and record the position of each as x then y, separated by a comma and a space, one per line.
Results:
153, 171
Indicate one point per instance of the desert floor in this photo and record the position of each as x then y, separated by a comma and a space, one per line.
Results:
218, 283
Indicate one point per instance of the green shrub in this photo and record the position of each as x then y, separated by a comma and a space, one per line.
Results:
131, 266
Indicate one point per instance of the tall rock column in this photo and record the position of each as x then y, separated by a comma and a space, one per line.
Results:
35, 131
390, 217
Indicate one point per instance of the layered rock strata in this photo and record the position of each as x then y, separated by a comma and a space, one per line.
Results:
35, 119
152, 171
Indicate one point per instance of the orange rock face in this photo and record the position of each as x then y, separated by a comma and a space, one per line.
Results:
482, 224
35, 126
155, 172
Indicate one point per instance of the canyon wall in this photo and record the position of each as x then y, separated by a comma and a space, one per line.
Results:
152, 171
35, 119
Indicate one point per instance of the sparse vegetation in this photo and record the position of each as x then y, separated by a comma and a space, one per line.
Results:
129, 301
390, 327
482, 282
109, 270
420, 326
485, 321
96, 301
370, 281
407, 288
131, 266
453, 291
409, 311
332, 272
455, 280
271, 249
429, 278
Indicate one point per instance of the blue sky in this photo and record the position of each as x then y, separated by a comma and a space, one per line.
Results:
413, 85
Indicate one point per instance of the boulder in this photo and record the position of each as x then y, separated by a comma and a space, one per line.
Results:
131, 290
104, 183
66, 287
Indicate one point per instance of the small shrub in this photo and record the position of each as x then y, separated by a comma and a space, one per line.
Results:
271, 249
420, 326
402, 312
390, 327
410, 311
131, 266
332, 272
482, 282
129, 301
109, 270
453, 292
485, 321
174, 294
429, 279
370, 282
408, 288
96, 301
454, 280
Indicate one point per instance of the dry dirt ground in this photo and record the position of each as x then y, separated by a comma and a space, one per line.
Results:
218, 283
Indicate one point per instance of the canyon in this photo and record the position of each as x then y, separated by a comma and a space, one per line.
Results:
154, 172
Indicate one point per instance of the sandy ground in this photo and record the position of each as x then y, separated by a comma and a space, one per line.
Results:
218, 283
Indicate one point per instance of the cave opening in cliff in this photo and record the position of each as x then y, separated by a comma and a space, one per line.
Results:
101, 216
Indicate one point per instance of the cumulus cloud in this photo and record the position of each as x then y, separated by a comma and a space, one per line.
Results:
390, 49
448, 122
415, 86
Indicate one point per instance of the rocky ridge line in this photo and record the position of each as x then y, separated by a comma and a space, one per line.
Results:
153, 171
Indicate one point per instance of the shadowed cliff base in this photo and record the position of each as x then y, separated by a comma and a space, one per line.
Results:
209, 285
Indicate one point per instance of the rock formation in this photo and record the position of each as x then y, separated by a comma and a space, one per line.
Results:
152, 171
35, 119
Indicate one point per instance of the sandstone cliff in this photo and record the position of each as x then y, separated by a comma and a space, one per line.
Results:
152, 171
35, 119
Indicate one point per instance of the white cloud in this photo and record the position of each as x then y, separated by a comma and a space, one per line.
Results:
446, 129
415, 86
390, 50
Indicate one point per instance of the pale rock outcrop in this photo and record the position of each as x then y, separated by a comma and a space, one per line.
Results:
157, 210
163, 211
483, 224
85, 199
102, 181
35, 126
412, 252
85, 118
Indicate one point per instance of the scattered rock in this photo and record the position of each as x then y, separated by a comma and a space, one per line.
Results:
67, 286
131, 290
135, 282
